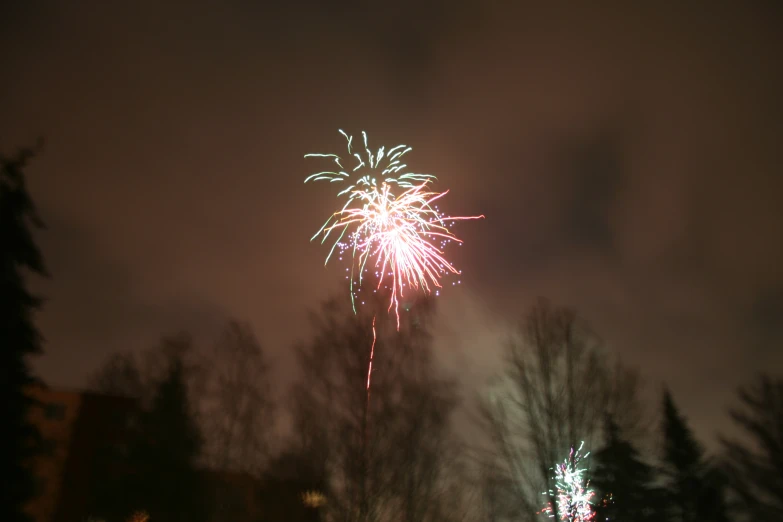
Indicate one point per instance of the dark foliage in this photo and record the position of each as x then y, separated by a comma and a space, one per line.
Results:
155, 466
755, 468
693, 489
290, 475
623, 481
19, 338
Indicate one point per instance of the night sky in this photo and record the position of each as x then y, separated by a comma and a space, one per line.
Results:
628, 160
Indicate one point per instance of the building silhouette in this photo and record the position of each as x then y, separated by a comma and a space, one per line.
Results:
76, 427
73, 425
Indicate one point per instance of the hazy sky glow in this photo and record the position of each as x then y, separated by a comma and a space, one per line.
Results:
628, 164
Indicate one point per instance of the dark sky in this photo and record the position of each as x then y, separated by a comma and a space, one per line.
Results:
627, 158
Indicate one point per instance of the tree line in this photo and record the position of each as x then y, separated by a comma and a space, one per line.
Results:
395, 453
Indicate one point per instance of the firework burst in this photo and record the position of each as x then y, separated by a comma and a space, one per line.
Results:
389, 225
573, 496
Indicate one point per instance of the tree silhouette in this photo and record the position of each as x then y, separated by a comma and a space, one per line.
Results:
387, 454
167, 450
692, 487
155, 464
236, 403
555, 388
119, 376
755, 470
623, 481
19, 338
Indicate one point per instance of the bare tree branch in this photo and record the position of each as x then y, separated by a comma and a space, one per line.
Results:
554, 390
388, 458
237, 407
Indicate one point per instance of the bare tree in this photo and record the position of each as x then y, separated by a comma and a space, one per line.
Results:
119, 375
755, 468
237, 408
229, 384
552, 394
388, 450
421, 438
494, 485
232, 400
136, 374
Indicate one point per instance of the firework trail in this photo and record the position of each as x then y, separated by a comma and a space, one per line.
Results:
372, 356
389, 223
573, 496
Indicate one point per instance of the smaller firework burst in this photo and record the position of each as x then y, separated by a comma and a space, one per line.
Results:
573, 495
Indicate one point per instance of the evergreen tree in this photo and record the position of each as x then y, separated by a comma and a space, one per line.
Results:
693, 491
755, 466
166, 483
19, 338
154, 467
623, 481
